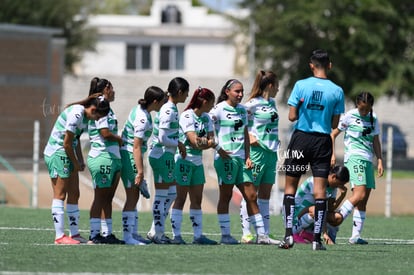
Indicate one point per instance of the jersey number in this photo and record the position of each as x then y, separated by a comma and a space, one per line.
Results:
105, 169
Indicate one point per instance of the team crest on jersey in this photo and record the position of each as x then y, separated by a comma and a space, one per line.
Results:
184, 178
104, 179
170, 175
229, 176
360, 177
66, 169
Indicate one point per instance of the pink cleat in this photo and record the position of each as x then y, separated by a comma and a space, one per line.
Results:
66, 240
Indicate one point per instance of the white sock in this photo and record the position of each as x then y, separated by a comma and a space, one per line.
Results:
257, 222
244, 218
264, 211
72, 210
104, 228
196, 217
128, 221
224, 222
95, 226
109, 227
359, 220
306, 220
135, 230
58, 215
158, 208
346, 209
176, 221
172, 194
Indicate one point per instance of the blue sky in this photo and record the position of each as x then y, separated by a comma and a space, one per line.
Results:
220, 5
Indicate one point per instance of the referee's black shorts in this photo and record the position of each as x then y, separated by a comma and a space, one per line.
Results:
305, 148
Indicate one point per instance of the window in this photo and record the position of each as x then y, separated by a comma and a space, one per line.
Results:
171, 14
172, 58
138, 57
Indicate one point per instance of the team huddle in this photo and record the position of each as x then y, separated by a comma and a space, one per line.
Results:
245, 139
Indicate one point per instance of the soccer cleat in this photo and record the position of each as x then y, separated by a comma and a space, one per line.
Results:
132, 241
228, 239
98, 239
308, 236
203, 240
177, 240
143, 188
265, 239
66, 240
297, 238
111, 239
357, 241
162, 239
318, 246
79, 238
286, 243
248, 239
141, 239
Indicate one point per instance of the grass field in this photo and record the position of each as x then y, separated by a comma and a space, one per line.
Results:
26, 246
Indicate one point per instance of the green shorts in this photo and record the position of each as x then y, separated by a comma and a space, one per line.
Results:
59, 165
163, 168
129, 169
103, 169
361, 172
264, 165
188, 174
232, 171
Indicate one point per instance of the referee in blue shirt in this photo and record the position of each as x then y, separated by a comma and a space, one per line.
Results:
316, 103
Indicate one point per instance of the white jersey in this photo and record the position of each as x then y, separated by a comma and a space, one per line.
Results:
166, 119
264, 122
201, 125
304, 195
359, 134
72, 119
138, 125
98, 143
229, 123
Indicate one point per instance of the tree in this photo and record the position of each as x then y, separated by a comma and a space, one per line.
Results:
371, 42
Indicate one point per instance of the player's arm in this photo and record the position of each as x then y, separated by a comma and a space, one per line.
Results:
336, 202
378, 154
68, 146
139, 164
107, 135
334, 134
335, 121
79, 155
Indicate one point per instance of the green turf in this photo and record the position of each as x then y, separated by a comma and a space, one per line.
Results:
26, 245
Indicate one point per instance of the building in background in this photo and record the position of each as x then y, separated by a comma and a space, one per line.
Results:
31, 77
176, 38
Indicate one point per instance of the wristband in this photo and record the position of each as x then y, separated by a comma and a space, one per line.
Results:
217, 147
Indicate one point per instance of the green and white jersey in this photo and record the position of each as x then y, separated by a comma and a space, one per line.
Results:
98, 143
190, 122
264, 122
229, 124
167, 121
138, 125
72, 119
304, 195
359, 134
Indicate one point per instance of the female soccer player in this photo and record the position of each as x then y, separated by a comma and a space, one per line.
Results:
232, 161
197, 134
264, 143
63, 165
361, 141
305, 206
104, 163
161, 157
136, 132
